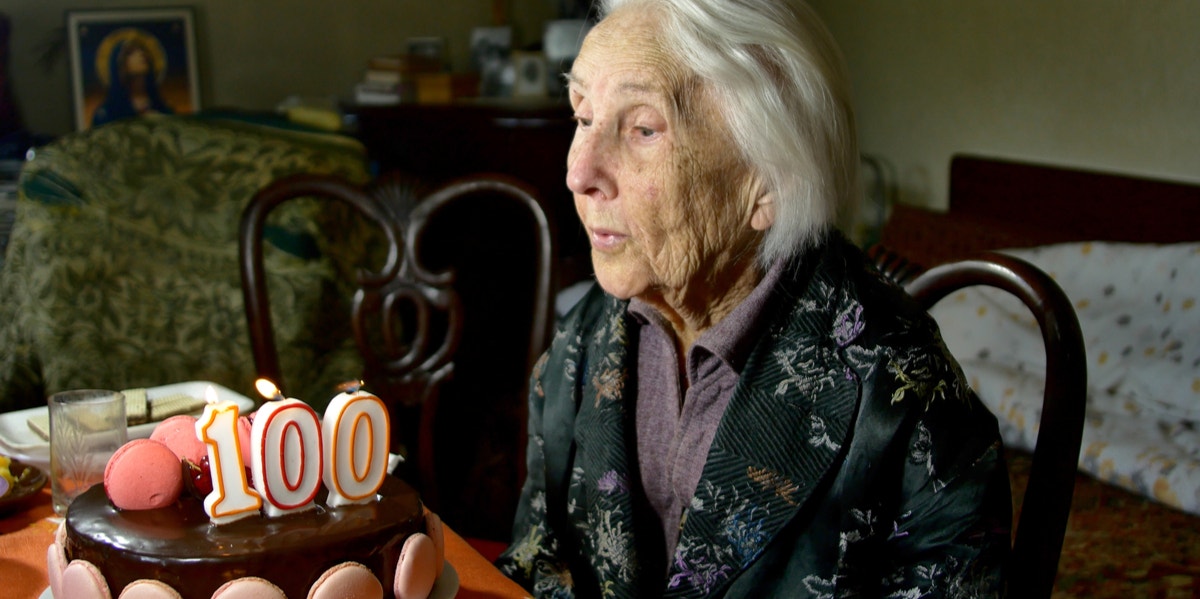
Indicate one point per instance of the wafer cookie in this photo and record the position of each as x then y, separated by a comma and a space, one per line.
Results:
175, 404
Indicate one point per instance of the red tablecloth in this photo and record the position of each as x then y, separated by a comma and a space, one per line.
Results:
27, 533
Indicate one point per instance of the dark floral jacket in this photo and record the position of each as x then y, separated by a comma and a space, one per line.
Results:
852, 461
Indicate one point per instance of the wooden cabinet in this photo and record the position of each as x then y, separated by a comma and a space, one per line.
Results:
527, 139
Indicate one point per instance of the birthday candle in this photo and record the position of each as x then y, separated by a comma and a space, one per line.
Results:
286, 454
355, 430
231, 498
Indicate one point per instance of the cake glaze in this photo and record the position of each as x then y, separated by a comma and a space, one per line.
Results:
179, 546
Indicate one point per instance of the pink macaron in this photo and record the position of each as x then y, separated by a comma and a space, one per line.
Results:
179, 434
347, 579
249, 587
416, 570
245, 425
143, 474
83, 580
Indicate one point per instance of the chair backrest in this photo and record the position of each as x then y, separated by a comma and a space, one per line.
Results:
408, 318
1042, 522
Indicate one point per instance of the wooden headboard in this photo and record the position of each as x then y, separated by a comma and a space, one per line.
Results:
997, 204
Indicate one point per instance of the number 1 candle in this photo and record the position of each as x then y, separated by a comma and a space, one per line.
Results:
231, 498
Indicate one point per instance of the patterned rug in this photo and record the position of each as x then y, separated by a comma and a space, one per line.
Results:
1121, 545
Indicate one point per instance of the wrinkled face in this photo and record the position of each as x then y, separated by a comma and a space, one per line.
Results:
658, 184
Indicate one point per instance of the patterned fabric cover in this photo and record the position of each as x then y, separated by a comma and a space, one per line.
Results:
122, 269
1138, 310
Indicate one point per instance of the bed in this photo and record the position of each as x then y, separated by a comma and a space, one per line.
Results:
1127, 252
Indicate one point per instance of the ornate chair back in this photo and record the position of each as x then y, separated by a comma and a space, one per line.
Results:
408, 318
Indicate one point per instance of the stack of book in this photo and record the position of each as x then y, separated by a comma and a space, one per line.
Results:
393, 79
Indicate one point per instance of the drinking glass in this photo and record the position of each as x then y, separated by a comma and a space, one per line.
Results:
86, 427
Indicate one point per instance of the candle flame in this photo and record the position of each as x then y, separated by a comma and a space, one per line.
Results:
210, 395
267, 389
350, 386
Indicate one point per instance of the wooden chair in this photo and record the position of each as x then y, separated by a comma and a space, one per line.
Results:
1042, 523
409, 317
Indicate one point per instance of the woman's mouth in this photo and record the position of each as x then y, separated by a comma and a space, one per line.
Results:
606, 239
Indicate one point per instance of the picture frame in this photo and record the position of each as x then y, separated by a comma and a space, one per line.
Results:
433, 48
531, 78
131, 62
491, 52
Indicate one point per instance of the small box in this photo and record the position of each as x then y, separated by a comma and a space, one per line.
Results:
442, 88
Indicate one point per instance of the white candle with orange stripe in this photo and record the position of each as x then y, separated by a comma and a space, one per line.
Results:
231, 498
355, 430
286, 453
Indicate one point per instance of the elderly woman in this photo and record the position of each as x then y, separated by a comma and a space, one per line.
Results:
744, 408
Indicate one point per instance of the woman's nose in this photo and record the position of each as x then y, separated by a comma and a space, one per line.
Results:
588, 172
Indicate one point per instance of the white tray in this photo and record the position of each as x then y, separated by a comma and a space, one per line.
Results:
18, 441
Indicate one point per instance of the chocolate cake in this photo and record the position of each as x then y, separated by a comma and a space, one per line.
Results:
178, 545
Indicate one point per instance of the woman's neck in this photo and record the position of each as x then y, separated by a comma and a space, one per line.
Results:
694, 309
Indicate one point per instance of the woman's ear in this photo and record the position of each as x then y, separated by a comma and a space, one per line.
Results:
762, 216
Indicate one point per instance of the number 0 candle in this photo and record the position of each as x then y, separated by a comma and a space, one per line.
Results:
286, 455
356, 430
231, 498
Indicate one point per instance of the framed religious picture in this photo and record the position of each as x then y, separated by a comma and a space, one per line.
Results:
132, 62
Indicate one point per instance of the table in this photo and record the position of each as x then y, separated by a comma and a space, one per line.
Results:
26, 534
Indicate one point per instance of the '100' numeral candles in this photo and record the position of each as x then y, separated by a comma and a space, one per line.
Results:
292, 452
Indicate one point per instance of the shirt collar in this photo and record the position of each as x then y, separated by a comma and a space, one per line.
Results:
733, 337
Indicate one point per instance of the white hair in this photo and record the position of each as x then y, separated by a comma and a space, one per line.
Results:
783, 89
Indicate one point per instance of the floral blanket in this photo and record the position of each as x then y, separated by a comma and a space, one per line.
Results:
1137, 308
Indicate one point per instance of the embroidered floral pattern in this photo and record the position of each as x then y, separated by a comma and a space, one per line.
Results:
849, 325
699, 572
802, 377
782, 487
613, 555
819, 437
525, 550
819, 588
921, 452
608, 383
539, 368
745, 532
916, 380
612, 482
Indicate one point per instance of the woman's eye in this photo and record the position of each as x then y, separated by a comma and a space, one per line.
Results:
644, 133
